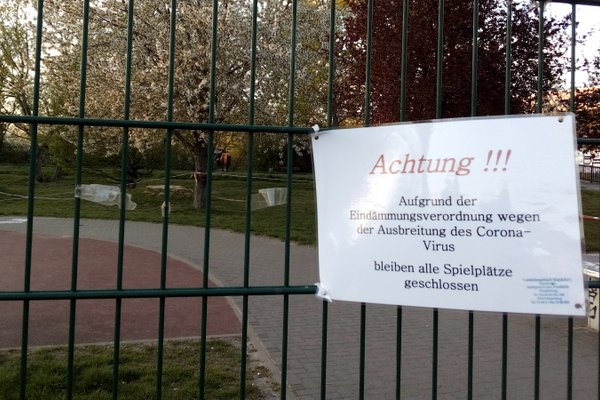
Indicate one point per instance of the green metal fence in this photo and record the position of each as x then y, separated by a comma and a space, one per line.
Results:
555, 369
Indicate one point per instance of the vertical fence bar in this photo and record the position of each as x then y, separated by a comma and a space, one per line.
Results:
123, 188
77, 211
286, 278
288, 205
504, 355
398, 352
31, 199
434, 355
166, 199
539, 109
362, 350
368, 63
507, 111
439, 94
404, 61
540, 76
331, 60
438, 114
403, 108
474, 76
573, 56
324, 324
508, 59
206, 269
572, 109
474, 57
207, 225
363, 306
331, 120
248, 217
119, 286
536, 386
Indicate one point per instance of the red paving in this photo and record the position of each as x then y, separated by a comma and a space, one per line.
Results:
97, 269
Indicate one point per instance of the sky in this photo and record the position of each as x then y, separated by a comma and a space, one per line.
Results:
588, 18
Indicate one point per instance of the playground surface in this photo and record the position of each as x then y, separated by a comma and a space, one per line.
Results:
97, 269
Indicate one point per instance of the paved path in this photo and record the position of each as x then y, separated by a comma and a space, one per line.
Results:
343, 328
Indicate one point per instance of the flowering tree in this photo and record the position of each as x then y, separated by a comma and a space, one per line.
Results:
191, 101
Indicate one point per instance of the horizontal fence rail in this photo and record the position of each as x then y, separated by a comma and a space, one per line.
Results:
261, 78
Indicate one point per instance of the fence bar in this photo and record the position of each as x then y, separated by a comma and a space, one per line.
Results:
248, 218
504, 355
205, 274
570, 359
507, 110
30, 199
404, 62
170, 292
439, 69
208, 221
331, 67
362, 350
149, 293
539, 109
77, 200
474, 76
143, 124
398, 352
403, 108
324, 325
536, 387
579, 2
572, 109
288, 205
117, 328
166, 198
438, 114
474, 57
367, 122
330, 122
508, 59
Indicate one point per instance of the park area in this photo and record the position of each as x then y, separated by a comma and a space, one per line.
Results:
158, 216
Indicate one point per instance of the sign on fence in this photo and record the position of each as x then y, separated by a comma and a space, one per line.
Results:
475, 214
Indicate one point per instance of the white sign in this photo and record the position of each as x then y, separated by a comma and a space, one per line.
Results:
474, 214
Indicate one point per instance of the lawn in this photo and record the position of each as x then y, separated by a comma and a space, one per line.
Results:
55, 199
93, 371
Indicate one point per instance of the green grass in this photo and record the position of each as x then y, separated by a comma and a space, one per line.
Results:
591, 207
93, 371
55, 199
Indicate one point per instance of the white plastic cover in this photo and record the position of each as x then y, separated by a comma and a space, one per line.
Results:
104, 194
269, 197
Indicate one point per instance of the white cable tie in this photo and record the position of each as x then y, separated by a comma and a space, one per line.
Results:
322, 293
315, 133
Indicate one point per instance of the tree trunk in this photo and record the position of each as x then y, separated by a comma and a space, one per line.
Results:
3, 130
200, 178
41, 158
